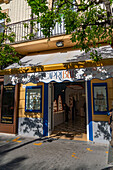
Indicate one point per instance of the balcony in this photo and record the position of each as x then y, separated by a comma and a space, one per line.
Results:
24, 29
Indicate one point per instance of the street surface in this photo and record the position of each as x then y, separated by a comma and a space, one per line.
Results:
20, 153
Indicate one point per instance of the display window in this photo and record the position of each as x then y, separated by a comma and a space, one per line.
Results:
7, 113
33, 99
100, 98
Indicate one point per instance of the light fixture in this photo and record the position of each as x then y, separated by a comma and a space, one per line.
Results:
59, 44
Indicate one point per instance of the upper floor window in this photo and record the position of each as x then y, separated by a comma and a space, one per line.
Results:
2, 23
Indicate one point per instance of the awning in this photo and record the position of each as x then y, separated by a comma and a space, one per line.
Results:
60, 58
70, 66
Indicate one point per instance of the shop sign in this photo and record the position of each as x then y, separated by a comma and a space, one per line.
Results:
9, 88
7, 120
61, 75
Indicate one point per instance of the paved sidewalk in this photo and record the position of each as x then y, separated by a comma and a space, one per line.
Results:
50, 154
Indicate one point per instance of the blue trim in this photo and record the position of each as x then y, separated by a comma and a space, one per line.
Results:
89, 111
100, 112
45, 118
33, 87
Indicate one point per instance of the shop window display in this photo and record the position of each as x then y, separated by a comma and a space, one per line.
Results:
100, 98
7, 112
33, 99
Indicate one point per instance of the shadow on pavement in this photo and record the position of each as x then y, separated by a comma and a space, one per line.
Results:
24, 144
13, 164
108, 168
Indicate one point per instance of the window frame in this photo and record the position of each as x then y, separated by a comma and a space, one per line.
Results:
100, 112
30, 110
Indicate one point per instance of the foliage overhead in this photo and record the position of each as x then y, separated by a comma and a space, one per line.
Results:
8, 55
89, 21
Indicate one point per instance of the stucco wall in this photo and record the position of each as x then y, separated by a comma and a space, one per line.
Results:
101, 132
31, 127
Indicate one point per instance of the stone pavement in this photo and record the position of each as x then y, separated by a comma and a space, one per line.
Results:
22, 153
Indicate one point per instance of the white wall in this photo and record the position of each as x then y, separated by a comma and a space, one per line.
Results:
101, 132
18, 10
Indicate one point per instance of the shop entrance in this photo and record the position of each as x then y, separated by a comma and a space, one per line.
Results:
69, 110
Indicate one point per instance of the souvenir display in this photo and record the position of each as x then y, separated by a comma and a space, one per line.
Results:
33, 99
100, 98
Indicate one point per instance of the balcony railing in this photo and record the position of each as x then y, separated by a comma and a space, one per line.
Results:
24, 28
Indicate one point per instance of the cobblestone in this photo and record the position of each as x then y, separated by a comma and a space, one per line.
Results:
51, 154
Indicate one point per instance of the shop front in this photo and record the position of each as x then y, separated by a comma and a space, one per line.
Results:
36, 111
85, 86
41, 104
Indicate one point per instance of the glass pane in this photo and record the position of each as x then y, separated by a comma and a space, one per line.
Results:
2, 20
2, 23
8, 104
1, 29
33, 99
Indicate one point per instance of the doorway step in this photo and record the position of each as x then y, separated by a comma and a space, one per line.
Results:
73, 130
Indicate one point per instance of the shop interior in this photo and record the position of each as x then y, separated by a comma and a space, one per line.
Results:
69, 110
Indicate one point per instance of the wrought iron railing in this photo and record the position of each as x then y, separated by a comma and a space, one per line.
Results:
24, 31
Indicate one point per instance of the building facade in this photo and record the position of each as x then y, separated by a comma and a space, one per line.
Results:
34, 91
